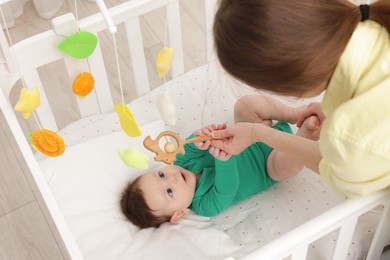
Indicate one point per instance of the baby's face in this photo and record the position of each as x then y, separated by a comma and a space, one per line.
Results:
168, 189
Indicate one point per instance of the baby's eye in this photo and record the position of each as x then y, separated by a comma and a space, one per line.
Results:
170, 192
161, 175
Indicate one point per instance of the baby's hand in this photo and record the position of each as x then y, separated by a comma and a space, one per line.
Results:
313, 109
206, 131
219, 154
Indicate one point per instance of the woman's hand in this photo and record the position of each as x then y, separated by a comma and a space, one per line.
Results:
206, 131
216, 152
312, 109
235, 138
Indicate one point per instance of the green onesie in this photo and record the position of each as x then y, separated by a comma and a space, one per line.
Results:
224, 183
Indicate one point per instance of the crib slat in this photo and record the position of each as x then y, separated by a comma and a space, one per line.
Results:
175, 39
137, 56
299, 252
44, 112
382, 234
344, 239
88, 105
210, 9
32, 53
100, 99
66, 25
102, 90
6, 53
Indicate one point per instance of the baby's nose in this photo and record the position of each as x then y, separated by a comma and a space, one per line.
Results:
173, 178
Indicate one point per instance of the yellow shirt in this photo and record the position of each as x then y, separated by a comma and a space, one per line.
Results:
355, 138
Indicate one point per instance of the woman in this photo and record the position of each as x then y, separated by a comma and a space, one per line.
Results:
301, 48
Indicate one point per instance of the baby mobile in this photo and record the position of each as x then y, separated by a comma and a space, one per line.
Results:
166, 108
43, 140
131, 156
79, 46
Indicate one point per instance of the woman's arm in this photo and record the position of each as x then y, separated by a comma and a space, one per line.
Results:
264, 109
239, 136
199, 149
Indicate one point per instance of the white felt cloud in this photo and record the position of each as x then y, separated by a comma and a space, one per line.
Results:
166, 108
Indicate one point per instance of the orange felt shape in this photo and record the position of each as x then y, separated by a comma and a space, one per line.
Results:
83, 84
48, 142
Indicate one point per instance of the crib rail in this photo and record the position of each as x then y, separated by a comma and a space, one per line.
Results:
26, 57
343, 217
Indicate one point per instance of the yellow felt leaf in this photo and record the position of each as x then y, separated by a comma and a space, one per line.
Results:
133, 158
164, 61
127, 121
29, 100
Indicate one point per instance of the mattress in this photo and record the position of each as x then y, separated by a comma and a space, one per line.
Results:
88, 179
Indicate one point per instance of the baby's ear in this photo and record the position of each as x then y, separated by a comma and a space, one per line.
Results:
179, 215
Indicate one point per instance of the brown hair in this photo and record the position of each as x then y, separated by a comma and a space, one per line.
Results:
287, 47
134, 207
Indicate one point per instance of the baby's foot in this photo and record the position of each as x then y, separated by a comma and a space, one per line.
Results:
310, 128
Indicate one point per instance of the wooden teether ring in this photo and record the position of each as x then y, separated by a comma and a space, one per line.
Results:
169, 154
169, 147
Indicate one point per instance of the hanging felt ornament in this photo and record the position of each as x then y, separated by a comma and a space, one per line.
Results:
83, 84
79, 45
166, 107
127, 120
43, 140
165, 104
133, 158
29, 100
47, 142
164, 61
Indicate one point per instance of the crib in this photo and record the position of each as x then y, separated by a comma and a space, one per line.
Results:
300, 218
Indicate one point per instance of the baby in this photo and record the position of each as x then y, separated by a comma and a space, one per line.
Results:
208, 180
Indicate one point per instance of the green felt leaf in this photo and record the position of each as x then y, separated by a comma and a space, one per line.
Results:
79, 45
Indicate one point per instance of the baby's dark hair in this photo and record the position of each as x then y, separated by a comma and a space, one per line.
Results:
134, 207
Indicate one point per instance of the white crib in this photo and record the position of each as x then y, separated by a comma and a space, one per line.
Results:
322, 224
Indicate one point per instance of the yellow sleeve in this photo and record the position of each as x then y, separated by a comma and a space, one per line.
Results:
352, 171
355, 137
355, 146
